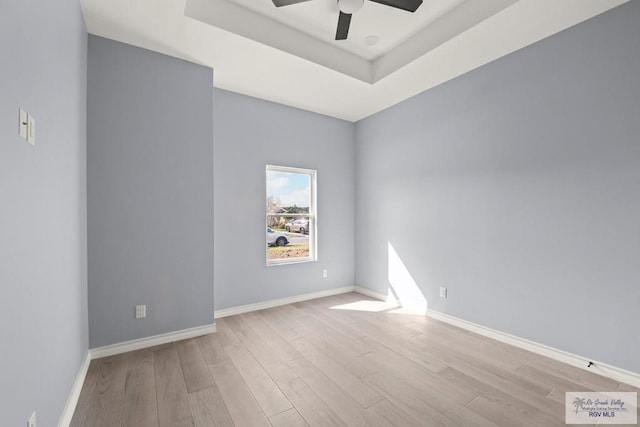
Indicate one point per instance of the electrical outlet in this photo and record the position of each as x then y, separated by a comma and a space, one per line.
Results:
325, 273
31, 422
443, 292
141, 311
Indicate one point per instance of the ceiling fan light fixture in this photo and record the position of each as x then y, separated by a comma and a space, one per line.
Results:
350, 6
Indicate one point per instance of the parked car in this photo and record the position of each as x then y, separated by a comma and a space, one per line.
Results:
299, 225
275, 238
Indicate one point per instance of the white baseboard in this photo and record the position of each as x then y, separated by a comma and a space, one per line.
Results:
123, 347
609, 371
376, 295
72, 401
603, 369
232, 311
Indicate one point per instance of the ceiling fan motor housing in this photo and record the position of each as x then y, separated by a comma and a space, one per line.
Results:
348, 7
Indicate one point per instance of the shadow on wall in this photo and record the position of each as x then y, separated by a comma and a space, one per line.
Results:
402, 286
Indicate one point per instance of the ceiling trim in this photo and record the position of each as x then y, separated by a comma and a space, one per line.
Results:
465, 16
252, 68
244, 22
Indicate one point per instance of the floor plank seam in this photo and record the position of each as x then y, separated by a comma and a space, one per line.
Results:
311, 363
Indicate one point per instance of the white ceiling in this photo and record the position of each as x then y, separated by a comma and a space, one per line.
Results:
319, 18
289, 55
404, 36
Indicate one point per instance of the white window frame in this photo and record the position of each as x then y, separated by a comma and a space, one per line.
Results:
312, 215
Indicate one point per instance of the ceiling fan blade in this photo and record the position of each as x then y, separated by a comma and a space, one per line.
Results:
280, 3
344, 20
408, 5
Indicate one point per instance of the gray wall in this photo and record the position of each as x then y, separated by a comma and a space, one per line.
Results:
517, 187
248, 134
150, 186
43, 284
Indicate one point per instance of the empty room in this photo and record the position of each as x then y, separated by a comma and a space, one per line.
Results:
450, 191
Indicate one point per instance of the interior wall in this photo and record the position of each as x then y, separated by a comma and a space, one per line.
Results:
249, 134
150, 187
43, 302
516, 187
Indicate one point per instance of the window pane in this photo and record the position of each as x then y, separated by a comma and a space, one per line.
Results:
290, 215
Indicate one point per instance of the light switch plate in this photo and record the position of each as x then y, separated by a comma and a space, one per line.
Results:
31, 130
22, 123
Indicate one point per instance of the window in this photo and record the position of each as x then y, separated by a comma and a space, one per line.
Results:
291, 215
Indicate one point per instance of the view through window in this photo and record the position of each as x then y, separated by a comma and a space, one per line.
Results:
291, 215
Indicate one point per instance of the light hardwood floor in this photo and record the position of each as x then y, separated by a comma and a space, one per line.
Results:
331, 362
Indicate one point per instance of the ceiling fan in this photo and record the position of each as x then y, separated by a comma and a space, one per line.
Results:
348, 7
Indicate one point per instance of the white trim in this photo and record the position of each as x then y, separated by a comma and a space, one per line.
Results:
609, 371
72, 401
312, 215
376, 295
123, 347
232, 311
600, 368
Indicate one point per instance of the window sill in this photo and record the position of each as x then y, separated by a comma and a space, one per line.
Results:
276, 262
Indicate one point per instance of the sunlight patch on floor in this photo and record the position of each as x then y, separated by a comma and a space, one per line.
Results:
366, 305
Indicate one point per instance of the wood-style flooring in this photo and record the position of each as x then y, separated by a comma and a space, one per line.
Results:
344, 360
